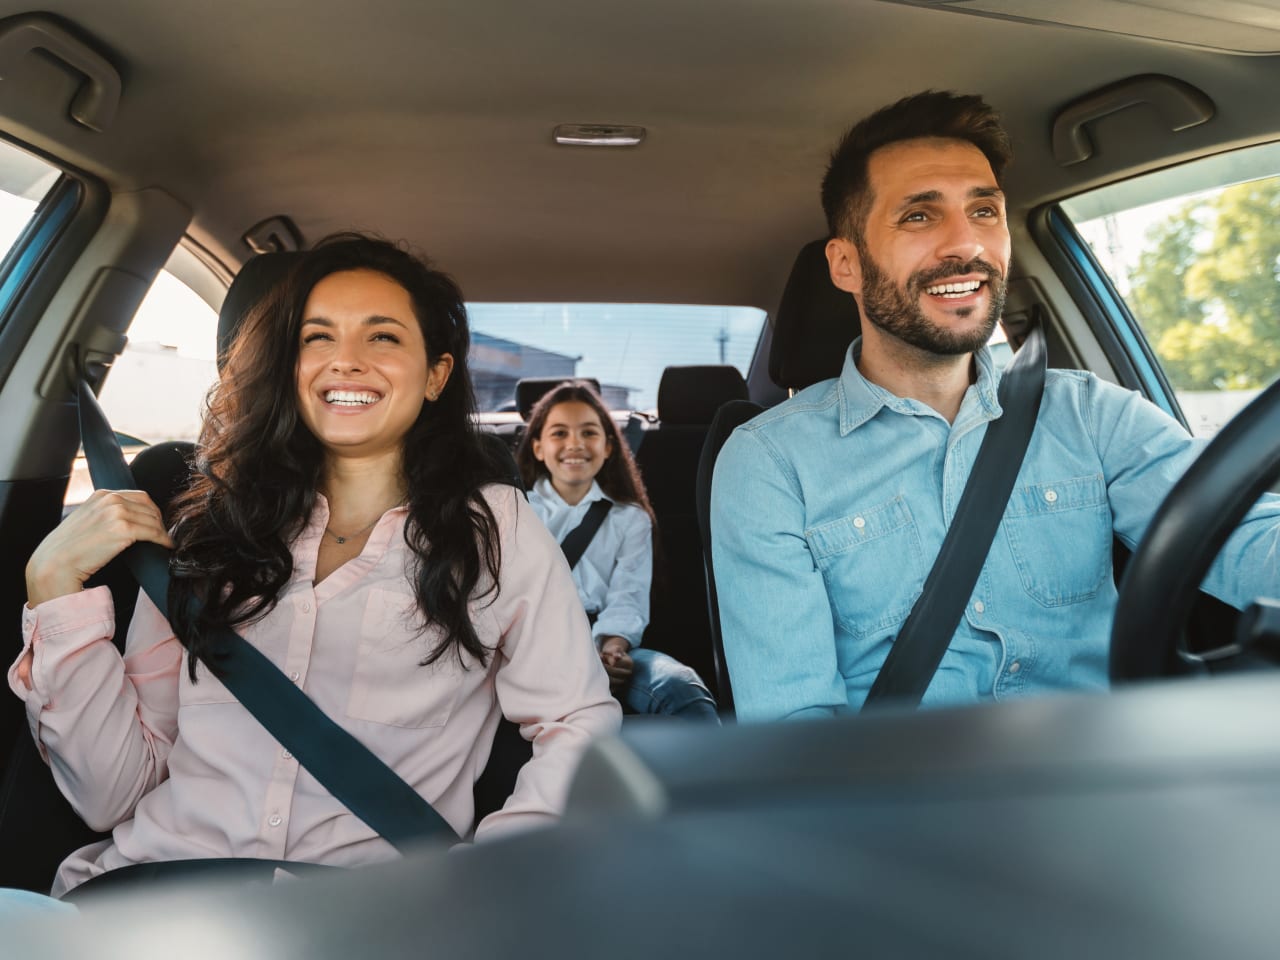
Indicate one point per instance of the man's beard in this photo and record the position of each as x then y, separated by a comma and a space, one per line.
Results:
897, 311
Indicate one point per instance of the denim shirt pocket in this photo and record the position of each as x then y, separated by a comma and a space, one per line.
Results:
1059, 533
872, 563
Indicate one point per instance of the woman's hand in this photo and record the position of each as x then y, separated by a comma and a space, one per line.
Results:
92, 535
617, 661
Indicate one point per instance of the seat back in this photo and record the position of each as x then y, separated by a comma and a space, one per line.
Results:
668, 460
812, 329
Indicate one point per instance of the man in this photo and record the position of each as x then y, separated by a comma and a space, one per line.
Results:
829, 509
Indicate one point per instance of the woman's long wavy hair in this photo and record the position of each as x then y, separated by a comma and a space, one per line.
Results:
619, 477
259, 467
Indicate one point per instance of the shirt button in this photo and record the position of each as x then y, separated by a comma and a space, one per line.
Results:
859, 522
275, 820
1015, 667
294, 676
979, 606
306, 607
1051, 496
287, 755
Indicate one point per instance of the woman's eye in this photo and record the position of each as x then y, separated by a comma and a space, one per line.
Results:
313, 337
386, 337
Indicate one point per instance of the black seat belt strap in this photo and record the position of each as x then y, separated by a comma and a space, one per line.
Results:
577, 540
927, 632
344, 766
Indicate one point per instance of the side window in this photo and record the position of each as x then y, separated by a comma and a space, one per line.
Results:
156, 388
24, 181
1195, 253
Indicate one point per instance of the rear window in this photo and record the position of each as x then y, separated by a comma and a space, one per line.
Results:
625, 346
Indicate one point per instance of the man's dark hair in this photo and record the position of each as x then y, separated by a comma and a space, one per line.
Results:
846, 192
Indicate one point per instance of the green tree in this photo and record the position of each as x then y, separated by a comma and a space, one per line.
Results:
1207, 289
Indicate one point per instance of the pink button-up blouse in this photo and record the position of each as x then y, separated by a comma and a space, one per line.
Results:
178, 770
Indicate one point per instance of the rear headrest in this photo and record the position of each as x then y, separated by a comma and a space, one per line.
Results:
251, 284
692, 395
530, 390
814, 325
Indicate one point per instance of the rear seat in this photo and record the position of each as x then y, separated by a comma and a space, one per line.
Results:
688, 398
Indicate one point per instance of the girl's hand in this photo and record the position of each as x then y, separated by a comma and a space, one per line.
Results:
95, 532
617, 661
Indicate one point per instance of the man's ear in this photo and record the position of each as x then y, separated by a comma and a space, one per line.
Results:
845, 266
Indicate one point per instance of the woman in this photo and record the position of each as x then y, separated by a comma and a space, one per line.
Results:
343, 520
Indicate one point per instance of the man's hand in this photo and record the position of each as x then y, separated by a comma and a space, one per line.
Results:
617, 661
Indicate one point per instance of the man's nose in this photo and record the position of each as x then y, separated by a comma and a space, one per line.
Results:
959, 240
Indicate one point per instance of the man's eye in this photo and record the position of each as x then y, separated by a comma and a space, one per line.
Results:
915, 216
988, 212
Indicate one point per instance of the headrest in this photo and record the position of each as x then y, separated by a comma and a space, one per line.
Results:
692, 395
814, 325
251, 284
529, 390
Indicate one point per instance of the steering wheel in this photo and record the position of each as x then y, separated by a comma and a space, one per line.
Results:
1203, 508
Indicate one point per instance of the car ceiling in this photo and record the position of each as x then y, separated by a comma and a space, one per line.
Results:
432, 123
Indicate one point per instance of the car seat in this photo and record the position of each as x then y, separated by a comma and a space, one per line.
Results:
688, 397
812, 330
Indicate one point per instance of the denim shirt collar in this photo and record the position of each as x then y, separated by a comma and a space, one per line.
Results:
860, 399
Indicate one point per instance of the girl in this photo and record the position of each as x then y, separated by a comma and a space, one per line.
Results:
570, 457
343, 520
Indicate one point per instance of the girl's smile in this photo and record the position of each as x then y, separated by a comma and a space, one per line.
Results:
574, 447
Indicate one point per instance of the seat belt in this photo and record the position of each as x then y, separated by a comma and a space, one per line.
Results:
577, 540
344, 766
927, 632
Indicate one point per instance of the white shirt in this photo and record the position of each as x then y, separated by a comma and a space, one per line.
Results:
616, 569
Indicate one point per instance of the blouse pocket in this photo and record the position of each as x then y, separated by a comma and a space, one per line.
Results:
872, 563
1059, 533
207, 688
391, 685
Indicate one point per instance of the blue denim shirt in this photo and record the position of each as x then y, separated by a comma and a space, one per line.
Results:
829, 509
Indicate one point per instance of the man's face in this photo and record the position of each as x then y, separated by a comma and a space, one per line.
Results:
931, 267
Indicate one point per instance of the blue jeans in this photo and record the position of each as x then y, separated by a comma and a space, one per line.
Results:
662, 684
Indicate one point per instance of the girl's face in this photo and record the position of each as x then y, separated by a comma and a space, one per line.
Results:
574, 446
362, 370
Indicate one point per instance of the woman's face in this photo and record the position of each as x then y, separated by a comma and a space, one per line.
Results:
363, 371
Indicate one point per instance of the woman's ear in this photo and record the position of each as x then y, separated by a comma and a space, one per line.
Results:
438, 376
536, 447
